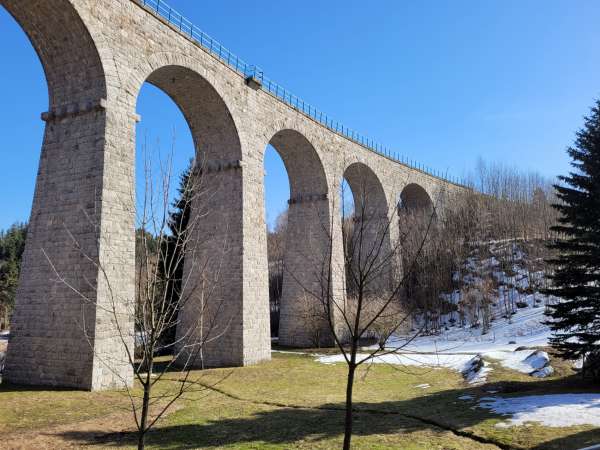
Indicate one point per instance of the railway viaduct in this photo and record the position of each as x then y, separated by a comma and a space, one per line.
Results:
96, 56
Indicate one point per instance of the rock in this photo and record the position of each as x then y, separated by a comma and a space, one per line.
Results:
512, 342
540, 362
543, 372
475, 370
538, 359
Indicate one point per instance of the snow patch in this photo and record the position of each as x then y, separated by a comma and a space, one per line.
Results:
473, 368
558, 410
423, 386
535, 363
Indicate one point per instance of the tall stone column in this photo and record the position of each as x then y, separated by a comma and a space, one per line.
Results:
225, 319
77, 273
311, 262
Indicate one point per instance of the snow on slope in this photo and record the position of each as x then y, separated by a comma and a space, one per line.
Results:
455, 349
459, 348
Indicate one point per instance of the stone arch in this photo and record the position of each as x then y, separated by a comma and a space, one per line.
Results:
205, 109
415, 198
302, 321
302, 163
367, 190
217, 211
71, 61
371, 217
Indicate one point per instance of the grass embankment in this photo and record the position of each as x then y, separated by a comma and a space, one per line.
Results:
294, 402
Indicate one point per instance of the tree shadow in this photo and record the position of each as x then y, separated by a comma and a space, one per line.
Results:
5, 386
438, 411
580, 440
279, 427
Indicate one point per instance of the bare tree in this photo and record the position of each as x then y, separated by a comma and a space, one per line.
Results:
142, 324
370, 306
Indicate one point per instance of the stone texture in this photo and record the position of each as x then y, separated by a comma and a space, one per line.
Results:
96, 56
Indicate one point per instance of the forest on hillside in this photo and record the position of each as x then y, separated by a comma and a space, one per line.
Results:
490, 244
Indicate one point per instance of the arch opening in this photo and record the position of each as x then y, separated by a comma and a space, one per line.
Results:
22, 136
68, 54
365, 232
298, 243
164, 158
415, 198
203, 197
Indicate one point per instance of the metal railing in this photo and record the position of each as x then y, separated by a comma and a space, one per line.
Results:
164, 11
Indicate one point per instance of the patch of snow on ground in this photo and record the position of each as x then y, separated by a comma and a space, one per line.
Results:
423, 386
455, 347
456, 362
559, 410
524, 361
466, 364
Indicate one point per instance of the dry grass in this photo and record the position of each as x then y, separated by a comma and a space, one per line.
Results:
294, 402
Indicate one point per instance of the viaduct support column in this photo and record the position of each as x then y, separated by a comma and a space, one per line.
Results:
309, 249
77, 277
225, 320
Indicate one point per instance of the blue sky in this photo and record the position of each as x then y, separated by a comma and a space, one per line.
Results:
443, 82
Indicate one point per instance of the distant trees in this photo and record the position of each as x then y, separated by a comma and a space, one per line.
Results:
576, 280
12, 245
456, 273
276, 251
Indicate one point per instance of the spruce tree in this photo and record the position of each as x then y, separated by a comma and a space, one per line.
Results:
174, 253
575, 319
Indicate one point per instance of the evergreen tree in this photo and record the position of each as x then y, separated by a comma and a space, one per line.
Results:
576, 280
173, 254
12, 245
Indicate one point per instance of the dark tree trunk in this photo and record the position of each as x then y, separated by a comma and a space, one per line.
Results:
349, 413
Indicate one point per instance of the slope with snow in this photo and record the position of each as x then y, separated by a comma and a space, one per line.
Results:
511, 340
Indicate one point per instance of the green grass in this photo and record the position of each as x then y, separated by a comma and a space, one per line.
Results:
294, 402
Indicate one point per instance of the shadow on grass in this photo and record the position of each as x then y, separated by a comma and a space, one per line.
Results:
280, 426
580, 440
5, 386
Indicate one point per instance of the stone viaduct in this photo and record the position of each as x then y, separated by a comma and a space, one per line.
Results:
96, 55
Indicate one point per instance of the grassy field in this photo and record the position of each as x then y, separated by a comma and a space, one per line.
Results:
294, 402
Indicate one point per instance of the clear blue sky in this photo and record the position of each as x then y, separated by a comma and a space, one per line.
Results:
443, 82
